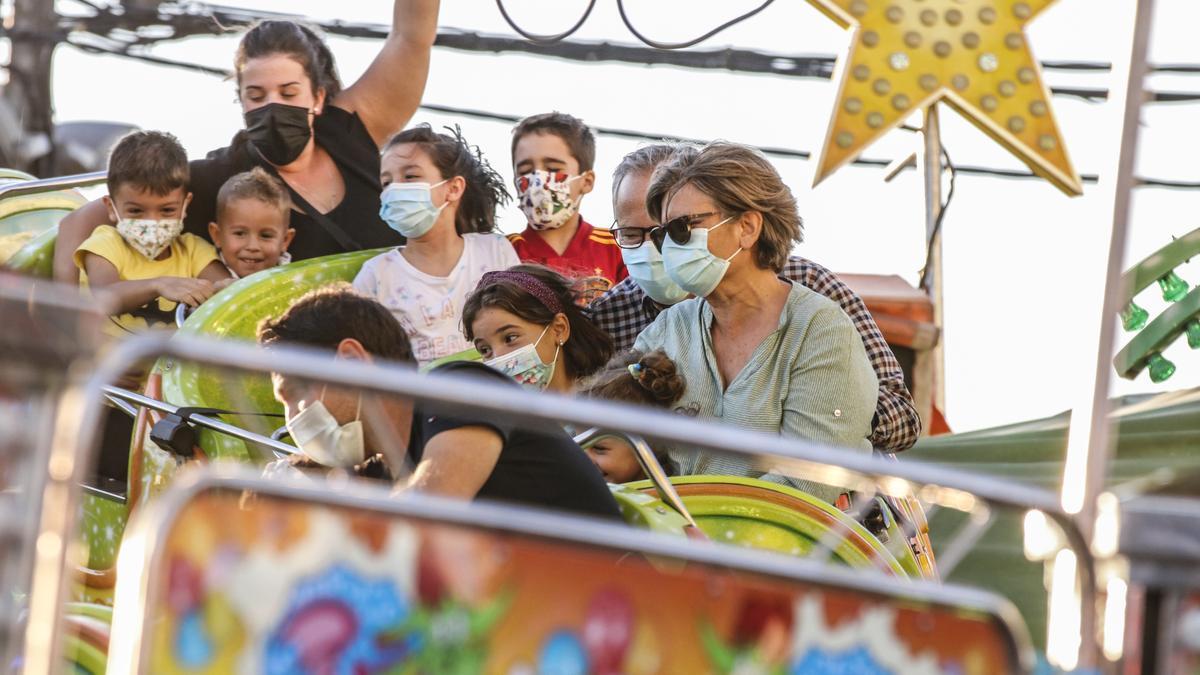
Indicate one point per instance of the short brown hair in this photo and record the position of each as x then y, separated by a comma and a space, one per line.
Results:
255, 184
738, 179
149, 160
571, 129
326, 316
588, 348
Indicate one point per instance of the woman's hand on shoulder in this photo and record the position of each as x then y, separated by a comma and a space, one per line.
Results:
384, 105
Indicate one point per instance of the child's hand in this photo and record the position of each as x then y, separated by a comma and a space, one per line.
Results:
223, 284
189, 291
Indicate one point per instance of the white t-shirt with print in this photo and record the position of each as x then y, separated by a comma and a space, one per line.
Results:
430, 308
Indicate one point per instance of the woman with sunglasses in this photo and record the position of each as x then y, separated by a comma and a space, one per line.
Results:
757, 351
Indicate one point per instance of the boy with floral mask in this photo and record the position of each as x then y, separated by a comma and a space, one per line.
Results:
553, 155
145, 263
441, 196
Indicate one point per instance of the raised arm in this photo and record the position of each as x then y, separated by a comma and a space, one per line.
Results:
387, 94
73, 230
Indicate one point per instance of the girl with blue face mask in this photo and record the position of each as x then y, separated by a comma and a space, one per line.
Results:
441, 196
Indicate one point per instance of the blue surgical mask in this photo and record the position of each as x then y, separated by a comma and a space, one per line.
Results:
692, 265
645, 265
408, 208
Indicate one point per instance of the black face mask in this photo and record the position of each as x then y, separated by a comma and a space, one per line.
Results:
278, 131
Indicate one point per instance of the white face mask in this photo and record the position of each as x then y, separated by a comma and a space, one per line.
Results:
408, 208
526, 366
319, 436
148, 236
545, 198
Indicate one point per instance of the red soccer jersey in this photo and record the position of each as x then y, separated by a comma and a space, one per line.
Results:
592, 259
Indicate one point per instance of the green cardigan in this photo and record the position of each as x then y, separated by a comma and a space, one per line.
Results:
810, 379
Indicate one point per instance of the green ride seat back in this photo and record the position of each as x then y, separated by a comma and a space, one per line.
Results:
234, 314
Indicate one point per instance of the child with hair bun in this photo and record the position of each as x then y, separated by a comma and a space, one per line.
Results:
633, 377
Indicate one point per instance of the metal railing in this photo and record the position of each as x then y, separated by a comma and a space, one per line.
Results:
40, 185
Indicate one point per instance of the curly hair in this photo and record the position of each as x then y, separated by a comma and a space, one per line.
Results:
453, 156
634, 377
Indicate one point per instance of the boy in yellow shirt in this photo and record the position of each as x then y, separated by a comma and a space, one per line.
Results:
146, 263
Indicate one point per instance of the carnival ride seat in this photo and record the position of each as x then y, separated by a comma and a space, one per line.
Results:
29, 224
311, 580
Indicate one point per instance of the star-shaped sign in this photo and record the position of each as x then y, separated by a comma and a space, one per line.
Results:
909, 54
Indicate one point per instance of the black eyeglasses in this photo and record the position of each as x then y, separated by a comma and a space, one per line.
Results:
679, 229
633, 237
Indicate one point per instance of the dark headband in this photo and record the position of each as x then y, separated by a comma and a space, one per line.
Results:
528, 283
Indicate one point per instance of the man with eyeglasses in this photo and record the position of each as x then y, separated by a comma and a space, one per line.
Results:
633, 304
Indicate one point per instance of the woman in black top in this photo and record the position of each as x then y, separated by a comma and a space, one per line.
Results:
322, 140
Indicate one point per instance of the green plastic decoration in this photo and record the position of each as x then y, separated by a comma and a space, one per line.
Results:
1160, 368
1193, 333
1173, 288
1133, 317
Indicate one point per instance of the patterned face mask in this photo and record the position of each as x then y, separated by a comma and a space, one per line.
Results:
545, 197
148, 236
525, 365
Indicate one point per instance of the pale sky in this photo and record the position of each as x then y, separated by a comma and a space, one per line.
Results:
1020, 258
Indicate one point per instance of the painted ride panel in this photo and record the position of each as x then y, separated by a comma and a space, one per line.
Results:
297, 580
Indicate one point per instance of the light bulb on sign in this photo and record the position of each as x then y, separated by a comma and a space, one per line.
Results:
907, 55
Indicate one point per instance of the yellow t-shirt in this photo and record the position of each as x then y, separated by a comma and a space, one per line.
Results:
189, 256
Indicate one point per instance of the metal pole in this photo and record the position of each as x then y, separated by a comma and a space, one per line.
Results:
1088, 442
28, 91
934, 367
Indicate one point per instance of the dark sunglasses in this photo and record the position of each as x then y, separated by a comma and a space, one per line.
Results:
679, 229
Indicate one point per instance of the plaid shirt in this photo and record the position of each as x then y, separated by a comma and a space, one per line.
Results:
625, 310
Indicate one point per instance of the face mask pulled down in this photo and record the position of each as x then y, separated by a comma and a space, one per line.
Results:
408, 208
525, 365
279, 132
692, 266
545, 198
319, 436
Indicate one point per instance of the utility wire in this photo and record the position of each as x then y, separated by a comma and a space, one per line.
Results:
179, 20
629, 134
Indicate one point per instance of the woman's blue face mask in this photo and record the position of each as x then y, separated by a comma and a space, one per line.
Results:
692, 266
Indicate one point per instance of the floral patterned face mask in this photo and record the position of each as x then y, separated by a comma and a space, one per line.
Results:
525, 365
148, 236
545, 197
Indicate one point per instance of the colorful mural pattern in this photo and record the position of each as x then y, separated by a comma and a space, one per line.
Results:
275, 586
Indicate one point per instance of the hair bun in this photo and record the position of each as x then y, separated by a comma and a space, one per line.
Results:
657, 373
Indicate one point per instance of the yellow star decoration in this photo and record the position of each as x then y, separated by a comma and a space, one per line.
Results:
909, 54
